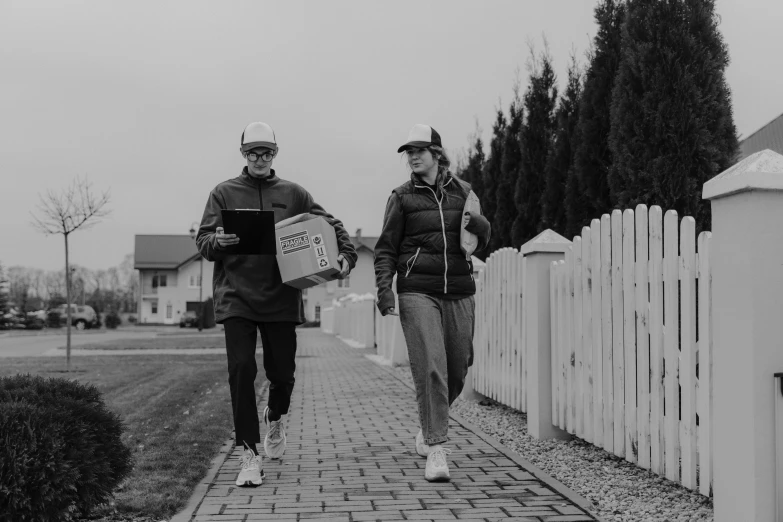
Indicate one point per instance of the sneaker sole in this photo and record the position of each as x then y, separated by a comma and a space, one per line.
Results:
250, 484
439, 477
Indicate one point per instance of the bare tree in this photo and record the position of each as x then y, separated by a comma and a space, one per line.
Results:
63, 213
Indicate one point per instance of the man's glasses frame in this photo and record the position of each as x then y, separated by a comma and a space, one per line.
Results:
266, 156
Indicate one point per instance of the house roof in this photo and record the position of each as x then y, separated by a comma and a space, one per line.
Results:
365, 242
169, 252
163, 252
770, 136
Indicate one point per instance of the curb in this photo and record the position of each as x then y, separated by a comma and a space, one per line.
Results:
187, 513
550, 481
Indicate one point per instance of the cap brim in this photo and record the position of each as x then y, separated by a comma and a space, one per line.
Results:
416, 144
258, 145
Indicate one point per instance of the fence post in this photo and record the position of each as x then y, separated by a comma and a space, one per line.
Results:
747, 212
539, 253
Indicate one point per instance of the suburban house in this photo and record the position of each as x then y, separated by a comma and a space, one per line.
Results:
169, 267
360, 281
770, 136
169, 277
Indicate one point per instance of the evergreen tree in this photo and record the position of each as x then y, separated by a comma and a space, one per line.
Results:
472, 172
560, 161
536, 141
593, 156
672, 124
475, 167
491, 176
510, 164
4, 285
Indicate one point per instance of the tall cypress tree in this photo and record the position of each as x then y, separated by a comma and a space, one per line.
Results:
475, 166
536, 141
473, 174
560, 160
672, 124
506, 211
593, 155
491, 176
3, 291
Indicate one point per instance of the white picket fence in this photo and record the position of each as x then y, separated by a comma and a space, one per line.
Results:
499, 368
626, 346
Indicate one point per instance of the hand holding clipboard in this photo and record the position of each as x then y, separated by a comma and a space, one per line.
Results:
226, 240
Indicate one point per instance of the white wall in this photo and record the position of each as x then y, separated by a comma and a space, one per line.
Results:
176, 293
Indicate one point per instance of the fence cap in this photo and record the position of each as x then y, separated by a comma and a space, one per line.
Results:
760, 171
546, 241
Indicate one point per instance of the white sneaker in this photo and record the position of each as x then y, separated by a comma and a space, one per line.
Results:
252, 473
422, 449
437, 468
275, 441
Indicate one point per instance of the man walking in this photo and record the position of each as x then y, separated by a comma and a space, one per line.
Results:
251, 298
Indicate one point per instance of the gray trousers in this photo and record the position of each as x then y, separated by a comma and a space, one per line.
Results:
439, 335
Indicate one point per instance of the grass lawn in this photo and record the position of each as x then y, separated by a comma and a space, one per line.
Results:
177, 411
211, 340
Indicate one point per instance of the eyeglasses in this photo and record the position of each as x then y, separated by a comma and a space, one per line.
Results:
266, 156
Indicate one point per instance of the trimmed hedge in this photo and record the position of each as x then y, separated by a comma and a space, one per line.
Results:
61, 452
113, 320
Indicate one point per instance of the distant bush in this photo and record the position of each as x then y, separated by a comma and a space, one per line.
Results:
53, 319
113, 320
209, 313
61, 453
34, 323
132, 319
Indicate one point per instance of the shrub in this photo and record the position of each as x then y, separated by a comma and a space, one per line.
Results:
53, 319
61, 452
209, 313
113, 320
132, 319
34, 323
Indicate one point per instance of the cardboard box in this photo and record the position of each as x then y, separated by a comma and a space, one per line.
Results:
307, 253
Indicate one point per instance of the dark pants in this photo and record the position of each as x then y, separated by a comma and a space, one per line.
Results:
279, 347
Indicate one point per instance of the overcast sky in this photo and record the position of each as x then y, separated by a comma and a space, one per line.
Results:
148, 99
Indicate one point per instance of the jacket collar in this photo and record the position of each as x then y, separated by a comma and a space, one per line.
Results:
250, 180
419, 183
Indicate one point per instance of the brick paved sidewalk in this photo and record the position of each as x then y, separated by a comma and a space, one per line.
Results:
351, 457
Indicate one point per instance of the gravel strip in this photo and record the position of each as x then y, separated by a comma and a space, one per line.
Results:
619, 490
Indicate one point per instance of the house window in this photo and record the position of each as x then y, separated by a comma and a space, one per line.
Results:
195, 281
154, 307
158, 280
168, 311
317, 312
344, 283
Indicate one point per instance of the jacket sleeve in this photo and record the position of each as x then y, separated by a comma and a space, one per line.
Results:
480, 226
344, 244
387, 252
206, 239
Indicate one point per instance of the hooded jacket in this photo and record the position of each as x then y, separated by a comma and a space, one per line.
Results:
251, 286
420, 242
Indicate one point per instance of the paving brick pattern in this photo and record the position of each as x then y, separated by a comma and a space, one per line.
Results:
351, 457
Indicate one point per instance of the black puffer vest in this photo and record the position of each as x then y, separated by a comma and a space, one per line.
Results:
430, 259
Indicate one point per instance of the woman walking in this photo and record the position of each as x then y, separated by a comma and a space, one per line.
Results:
420, 243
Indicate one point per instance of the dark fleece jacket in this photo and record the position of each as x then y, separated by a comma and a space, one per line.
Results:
251, 286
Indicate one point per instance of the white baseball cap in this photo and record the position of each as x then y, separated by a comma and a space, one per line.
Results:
421, 136
258, 134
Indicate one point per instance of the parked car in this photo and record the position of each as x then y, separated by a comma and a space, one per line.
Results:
189, 319
82, 316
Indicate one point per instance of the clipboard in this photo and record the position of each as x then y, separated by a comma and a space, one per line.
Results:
254, 228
